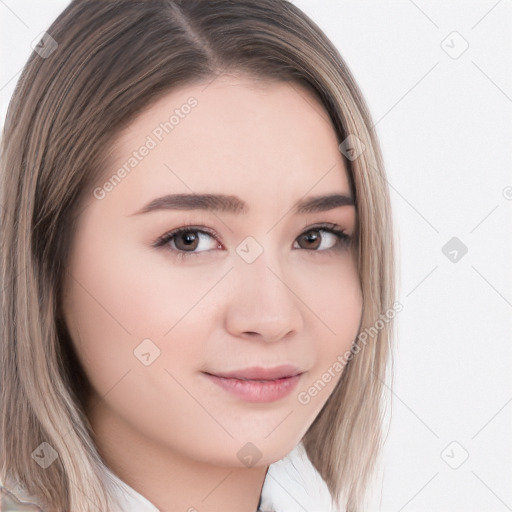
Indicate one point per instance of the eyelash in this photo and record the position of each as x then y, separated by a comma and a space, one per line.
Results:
343, 241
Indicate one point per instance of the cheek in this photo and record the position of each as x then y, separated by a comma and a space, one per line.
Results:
159, 293
99, 330
336, 301
118, 298
337, 304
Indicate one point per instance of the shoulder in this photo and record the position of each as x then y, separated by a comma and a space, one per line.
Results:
14, 498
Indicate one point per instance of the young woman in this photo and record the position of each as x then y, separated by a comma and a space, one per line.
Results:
197, 265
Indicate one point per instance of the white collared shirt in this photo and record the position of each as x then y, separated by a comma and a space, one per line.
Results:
291, 484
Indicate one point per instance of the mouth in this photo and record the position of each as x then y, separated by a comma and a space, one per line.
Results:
257, 384
261, 374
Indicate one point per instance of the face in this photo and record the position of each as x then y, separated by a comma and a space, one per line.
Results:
205, 325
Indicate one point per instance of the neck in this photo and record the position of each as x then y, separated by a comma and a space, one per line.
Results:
168, 479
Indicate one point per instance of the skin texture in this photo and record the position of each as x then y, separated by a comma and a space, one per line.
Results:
165, 428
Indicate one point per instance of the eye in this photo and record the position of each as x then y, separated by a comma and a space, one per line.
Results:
187, 239
336, 238
184, 241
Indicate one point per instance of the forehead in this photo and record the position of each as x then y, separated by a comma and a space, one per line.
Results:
234, 135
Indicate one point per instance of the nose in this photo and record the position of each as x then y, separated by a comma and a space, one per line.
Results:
262, 303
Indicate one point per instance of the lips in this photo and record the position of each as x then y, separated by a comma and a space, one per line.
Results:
259, 373
258, 384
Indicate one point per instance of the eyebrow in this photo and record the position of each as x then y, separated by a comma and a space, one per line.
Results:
233, 204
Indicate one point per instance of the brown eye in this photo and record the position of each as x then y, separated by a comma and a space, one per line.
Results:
312, 239
323, 238
186, 240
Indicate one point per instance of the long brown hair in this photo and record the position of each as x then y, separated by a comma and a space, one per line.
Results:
100, 65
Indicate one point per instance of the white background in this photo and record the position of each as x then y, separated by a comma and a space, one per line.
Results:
445, 127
